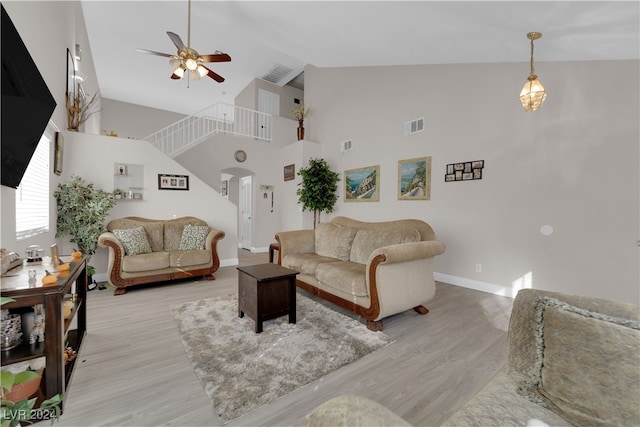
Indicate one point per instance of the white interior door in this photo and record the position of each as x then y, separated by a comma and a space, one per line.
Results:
245, 220
268, 102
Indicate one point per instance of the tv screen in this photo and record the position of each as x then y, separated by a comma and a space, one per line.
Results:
27, 104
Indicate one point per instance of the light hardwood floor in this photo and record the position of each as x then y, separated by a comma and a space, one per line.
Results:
133, 371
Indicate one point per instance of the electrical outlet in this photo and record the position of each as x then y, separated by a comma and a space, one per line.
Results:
478, 268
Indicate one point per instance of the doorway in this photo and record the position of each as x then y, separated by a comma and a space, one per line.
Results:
268, 102
246, 194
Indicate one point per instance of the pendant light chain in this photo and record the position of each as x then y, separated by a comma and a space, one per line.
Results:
532, 70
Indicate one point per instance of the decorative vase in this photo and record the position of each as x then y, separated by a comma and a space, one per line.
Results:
300, 130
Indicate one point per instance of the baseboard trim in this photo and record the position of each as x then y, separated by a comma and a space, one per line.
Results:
259, 250
100, 277
491, 288
228, 262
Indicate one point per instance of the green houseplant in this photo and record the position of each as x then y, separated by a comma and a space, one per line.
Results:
318, 188
82, 212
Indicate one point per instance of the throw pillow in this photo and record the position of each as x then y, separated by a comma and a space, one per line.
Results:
193, 237
134, 240
334, 241
586, 367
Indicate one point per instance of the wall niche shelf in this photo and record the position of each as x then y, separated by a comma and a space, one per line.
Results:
129, 178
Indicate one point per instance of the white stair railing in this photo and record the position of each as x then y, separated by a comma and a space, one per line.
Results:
219, 118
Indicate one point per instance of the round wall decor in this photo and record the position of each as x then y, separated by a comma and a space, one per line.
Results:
240, 156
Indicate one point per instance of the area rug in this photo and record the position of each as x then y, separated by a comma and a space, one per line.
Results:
241, 370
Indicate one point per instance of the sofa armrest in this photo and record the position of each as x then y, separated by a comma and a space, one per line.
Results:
109, 240
211, 243
295, 242
409, 251
352, 411
213, 237
116, 254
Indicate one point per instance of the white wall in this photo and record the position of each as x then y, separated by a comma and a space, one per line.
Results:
47, 29
134, 121
93, 158
573, 165
211, 158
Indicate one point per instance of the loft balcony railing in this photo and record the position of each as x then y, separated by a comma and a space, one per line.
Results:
217, 119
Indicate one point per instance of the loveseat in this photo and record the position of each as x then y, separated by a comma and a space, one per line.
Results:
143, 250
572, 360
375, 269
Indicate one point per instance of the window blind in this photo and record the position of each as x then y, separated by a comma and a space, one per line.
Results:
32, 195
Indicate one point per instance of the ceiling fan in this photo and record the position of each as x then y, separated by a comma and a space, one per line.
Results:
188, 60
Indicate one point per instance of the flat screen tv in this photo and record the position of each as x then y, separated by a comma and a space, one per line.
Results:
27, 104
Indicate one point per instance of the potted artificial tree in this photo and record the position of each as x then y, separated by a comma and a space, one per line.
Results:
82, 212
318, 188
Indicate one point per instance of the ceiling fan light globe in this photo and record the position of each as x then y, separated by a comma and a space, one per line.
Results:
175, 63
202, 71
191, 64
179, 72
532, 95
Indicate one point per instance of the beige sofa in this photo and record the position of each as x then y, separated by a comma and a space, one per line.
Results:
572, 361
143, 250
374, 269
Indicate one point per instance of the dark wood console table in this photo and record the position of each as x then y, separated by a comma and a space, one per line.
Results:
59, 332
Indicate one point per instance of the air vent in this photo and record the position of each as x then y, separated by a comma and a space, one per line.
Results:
277, 74
414, 126
346, 146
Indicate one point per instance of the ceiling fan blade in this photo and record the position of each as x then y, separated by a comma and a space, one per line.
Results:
216, 57
176, 40
152, 52
213, 75
174, 77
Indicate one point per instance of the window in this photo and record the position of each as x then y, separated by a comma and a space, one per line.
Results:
32, 195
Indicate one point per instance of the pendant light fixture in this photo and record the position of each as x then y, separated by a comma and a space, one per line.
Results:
533, 94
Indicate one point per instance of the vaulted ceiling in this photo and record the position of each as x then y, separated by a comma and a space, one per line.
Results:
259, 35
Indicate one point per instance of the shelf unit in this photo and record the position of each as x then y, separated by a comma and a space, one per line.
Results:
59, 332
130, 179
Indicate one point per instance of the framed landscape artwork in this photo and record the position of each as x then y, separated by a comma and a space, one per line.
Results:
362, 185
289, 172
414, 179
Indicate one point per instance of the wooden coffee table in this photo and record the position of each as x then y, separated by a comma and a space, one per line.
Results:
266, 291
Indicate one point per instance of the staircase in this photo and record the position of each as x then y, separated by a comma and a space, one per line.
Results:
217, 119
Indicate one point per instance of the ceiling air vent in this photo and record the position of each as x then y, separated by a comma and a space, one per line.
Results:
277, 74
414, 126
346, 146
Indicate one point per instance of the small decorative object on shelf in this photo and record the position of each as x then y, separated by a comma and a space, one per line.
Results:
299, 113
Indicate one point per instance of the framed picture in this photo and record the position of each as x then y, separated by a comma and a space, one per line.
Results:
414, 179
71, 73
289, 172
58, 154
464, 171
224, 188
173, 182
361, 185
55, 259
